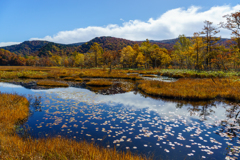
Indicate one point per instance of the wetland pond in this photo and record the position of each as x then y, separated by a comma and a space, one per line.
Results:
133, 121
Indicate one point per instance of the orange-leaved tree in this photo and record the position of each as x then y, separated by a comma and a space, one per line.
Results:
233, 24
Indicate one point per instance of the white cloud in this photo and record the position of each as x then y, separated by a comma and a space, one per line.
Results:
3, 44
169, 25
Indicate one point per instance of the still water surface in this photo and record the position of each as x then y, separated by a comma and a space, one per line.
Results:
132, 121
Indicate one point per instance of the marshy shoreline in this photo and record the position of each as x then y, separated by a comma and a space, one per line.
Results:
15, 109
15, 147
190, 84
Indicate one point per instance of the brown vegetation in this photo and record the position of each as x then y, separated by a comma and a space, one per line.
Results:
51, 83
33, 76
101, 82
7, 72
69, 78
148, 75
78, 79
12, 109
194, 89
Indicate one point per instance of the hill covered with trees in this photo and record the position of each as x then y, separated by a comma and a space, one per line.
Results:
26, 48
45, 48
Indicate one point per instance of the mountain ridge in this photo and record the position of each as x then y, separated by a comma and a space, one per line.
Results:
46, 48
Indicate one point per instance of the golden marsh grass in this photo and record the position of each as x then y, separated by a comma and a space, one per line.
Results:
51, 83
194, 89
101, 82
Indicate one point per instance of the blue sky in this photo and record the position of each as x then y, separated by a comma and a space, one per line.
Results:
71, 21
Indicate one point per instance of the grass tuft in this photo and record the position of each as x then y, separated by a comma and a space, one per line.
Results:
78, 79
148, 75
51, 83
99, 83
69, 78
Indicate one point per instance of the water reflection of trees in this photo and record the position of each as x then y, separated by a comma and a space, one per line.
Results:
203, 110
23, 129
231, 125
116, 88
35, 103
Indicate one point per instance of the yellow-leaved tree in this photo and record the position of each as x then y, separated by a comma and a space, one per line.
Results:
160, 57
182, 54
140, 60
97, 50
197, 48
56, 60
127, 57
146, 50
79, 59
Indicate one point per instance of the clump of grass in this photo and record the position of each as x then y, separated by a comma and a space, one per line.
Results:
148, 75
132, 77
8, 75
86, 79
51, 77
69, 78
63, 75
51, 83
194, 89
78, 79
99, 83
22, 74
14, 108
33, 76
96, 89
186, 73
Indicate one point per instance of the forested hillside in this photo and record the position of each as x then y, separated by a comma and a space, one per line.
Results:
53, 48
26, 48
45, 48
112, 43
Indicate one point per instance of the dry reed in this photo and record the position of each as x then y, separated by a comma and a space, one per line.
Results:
194, 89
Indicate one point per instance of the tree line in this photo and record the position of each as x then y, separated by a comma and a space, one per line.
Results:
204, 50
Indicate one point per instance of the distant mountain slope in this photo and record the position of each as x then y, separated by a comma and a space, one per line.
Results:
45, 48
41, 48
173, 41
107, 43
112, 43
75, 44
168, 41
26, 48
54, 48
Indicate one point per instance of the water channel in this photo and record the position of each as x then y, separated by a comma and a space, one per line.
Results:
163, 129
